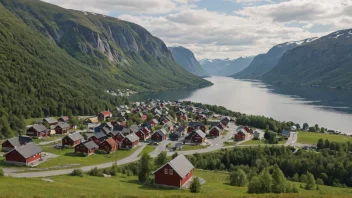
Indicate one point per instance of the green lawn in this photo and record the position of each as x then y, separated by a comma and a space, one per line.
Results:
225, 133
147, 149
68, 157
312, 138
51, 138
258, 142
188, 147
128, 186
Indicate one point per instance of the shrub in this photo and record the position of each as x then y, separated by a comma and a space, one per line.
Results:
77, 172
195, 186
95, 172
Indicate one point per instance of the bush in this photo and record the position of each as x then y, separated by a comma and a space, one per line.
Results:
195, 186
319, 181
1, 172
95, 172
77, 172
238, 178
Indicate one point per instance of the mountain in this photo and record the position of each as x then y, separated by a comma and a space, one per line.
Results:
326, 62
55, 61
263, 63
186, 59
225, 67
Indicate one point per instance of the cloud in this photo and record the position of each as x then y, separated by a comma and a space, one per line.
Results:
123, 6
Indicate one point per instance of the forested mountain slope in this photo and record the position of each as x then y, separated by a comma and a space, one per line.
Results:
263, 63
186, 59
325, 62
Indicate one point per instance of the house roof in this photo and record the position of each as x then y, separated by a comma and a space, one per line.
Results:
200, 133
93, 120
50, 120
27, 150
65, 118
99, 135
106, 113
63, 125
16, 141
90, 145
111, 141
134, 128
75, 136
162, 132
132, 137
191, 124
39, 127
181, 165
180, 129
215, 127
123, 130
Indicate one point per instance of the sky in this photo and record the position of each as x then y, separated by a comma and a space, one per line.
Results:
226, 28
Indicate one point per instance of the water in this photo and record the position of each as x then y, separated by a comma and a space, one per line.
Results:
330, 108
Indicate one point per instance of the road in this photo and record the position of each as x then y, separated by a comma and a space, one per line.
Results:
217, 144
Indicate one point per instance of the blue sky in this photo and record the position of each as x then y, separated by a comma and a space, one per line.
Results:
226, 28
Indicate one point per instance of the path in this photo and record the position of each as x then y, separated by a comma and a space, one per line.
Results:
49, 142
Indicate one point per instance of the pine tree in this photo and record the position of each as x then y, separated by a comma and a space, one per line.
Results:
161, 159
174, 155
254, 186
195, 186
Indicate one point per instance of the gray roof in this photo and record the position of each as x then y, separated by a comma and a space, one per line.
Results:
162, 132
215, 127
132, 137
16, 141
27, 150
200, 133
63, 125
50, 120
134, 128
90, 145
124, 130
99, 135
181, 165
75, 136
190, 124
39, 127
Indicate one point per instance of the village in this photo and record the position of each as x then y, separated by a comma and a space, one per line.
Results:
197, 129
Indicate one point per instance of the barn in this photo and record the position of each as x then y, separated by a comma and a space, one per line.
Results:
109, 145
72, 139
24, 155
159, 135
86, 148
11, 143
130, 141
241, 135
62, 128
176, 173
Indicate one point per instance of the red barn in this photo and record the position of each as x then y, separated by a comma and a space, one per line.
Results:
38, 131
159, 135
175, 173
24, 155
215, 132
130, 141
62, 128
11, 143
102, 116
196, 136
109, 145
143, 134
72, 139
86, 148
240, 135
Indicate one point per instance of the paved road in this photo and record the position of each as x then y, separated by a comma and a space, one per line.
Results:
49, 142
219, 143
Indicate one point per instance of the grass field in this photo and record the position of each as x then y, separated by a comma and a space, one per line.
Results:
147, 149
188, 147
312, 138
51, 138
258, 142
128, 186
68, 157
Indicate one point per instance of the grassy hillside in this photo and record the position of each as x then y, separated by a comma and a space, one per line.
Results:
117, 48
128, 186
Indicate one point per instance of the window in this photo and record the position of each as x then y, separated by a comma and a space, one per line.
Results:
171, 172
166, 171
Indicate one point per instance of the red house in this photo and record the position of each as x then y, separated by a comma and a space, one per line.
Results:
159, 135
62, 128
24, 155
50, 121
248, 130
154, 122
72, 139
176, 173
63, 119
224, 120
102, 116
130, 141
240, 135
195, 125
221, 126
215, 132
196, 137
38, 131
11, 143
98, 138
117, 136
109, 145
143, 134
86, 148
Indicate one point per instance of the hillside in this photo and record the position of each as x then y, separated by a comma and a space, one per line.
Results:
325, 62
186, 59
263, 63
50, 65
225, 67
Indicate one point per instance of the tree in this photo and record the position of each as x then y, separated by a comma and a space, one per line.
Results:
195, 186
266, 181
238, 178
319, 181
145, 167
161, 159
322, 130
295, 177
327, 143
310, 184
279, 181
320, 144
77, 172
254, 186
298, 126
173, 156
305, 126
303, 178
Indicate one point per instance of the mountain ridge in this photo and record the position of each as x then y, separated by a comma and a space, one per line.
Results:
225, 67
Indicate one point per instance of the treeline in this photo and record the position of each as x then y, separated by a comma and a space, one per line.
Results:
331, 167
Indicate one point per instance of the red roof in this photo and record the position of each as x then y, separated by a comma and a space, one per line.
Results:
112, 142
144, 117
106, 113
247, 129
